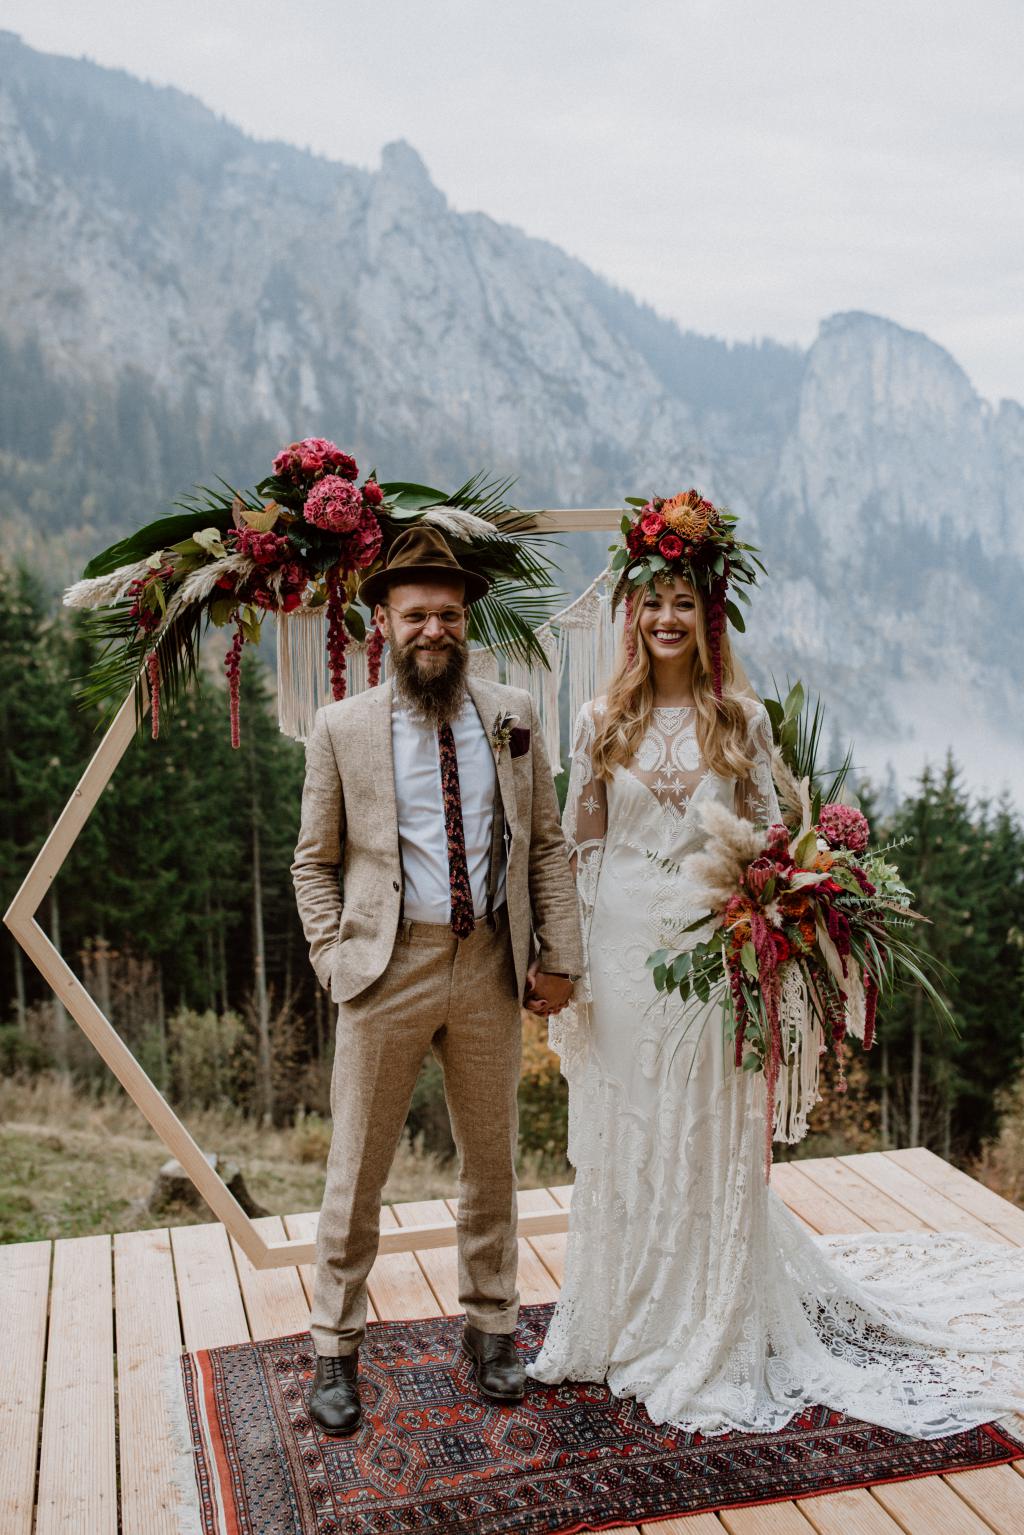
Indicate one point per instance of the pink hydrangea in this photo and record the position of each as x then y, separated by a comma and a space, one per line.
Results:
334, 504
843, 826
311, 457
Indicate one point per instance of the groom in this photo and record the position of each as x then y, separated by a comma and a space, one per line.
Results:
432, 795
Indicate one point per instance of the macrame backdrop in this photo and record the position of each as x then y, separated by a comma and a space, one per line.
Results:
580, 641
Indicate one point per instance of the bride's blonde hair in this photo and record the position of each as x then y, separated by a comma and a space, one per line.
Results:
722, 724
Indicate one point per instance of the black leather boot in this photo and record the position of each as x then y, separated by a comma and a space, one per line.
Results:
499, 1375
334, 1399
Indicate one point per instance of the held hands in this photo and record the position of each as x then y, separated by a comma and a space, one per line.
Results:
546, 994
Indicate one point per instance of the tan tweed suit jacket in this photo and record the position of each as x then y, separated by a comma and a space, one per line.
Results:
350, 821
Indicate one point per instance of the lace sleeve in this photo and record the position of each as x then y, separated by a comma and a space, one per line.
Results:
585, 818
584, 824
756, 799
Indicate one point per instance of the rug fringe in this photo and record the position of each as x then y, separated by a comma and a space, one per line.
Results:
183, 1475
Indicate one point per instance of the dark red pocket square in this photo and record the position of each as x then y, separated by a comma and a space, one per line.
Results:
518, 741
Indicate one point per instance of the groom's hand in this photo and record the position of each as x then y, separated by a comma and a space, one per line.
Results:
546, 994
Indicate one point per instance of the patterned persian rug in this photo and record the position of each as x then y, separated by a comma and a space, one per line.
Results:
431, 1455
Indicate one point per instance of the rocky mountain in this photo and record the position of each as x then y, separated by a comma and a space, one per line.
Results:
180, 299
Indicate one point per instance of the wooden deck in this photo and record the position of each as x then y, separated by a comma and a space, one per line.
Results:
86, 1447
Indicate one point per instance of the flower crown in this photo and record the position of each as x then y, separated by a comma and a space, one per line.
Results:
686, 535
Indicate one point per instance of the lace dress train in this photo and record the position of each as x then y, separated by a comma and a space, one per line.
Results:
689, 1284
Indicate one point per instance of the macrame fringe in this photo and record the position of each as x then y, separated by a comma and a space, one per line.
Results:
543, 685
579, 643
798, 1087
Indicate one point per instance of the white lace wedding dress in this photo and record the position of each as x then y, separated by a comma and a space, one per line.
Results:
689, 1284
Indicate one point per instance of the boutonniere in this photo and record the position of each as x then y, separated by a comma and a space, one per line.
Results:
501, 733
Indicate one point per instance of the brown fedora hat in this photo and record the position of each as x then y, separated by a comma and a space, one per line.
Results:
416, 555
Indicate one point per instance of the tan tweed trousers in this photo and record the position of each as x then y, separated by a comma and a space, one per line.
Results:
457, 998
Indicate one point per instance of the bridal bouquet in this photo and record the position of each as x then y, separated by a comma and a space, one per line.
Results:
305, 537
806, 935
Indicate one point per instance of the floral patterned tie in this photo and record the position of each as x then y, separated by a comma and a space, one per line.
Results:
463, 920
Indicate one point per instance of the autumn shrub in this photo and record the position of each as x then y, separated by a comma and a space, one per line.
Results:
1000, 1164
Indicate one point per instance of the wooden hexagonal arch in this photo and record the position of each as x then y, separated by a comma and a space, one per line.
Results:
20, 918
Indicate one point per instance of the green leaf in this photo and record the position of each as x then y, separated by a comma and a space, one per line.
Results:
659, 974
806, 849
354, 623
680, 965
774, 711
634, 501
221, 610
735, 617
659, 957
748, 959
751, 1062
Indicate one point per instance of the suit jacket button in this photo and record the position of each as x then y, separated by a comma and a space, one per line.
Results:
394, 884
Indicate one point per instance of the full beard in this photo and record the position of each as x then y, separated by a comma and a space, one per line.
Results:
435, 692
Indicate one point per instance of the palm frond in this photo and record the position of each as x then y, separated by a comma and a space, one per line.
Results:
205, 508
523, 593
797, 728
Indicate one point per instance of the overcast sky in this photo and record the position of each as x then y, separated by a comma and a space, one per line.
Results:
747, 168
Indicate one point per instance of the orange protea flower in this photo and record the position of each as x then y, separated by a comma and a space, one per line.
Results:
688, 514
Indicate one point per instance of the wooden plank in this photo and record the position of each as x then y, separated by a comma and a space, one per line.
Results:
212, 1312
574, 520
693, 1524
274, 1299
148, 1336
396, 1284
935, 1209
439, 1264
561, 1193
548, 1250
880, 1212
814, 1205
854, 1512
926, 1505
964, 1191
995, 1494
78, 1458
303, 1228
768, 1519
24, 1292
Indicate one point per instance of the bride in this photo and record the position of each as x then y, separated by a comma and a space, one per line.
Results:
689, 1285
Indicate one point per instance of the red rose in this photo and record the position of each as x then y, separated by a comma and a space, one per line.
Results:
372, 493
670, 545
634, 540
652, 526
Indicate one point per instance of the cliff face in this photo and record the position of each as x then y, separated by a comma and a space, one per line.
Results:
179, 300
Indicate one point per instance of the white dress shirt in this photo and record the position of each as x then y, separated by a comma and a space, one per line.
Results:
421, 830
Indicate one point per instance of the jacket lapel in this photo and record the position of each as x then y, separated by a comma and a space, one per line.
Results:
489, 705
382, 755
